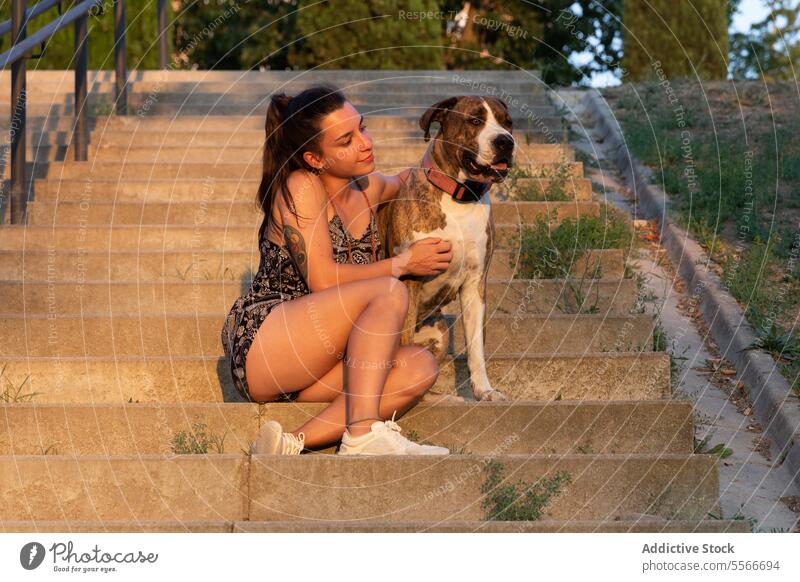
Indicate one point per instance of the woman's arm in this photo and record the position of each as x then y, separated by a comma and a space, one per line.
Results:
309, 242
344, 272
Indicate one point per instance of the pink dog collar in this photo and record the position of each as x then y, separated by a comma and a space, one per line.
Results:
468, 191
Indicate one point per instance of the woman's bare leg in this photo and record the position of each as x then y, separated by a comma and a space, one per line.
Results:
414, 372
302, 339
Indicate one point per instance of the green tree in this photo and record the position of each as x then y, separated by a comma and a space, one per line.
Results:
771, 48
495, 34
230, 34
369, 34
554, 30
687, 39
141, 37
590, 27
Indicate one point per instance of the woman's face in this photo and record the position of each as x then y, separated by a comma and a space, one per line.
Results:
346, 145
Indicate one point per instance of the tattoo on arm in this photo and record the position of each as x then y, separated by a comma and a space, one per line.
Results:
297, 248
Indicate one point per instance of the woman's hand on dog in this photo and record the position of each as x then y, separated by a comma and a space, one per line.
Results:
427, 256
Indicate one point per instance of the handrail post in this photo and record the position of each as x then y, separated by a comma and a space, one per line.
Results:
120, 60
18, 201
80, 137
162, 34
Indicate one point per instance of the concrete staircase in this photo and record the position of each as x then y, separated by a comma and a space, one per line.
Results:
112, 299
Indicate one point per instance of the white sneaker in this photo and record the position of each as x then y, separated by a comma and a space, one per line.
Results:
273, 441
384, 438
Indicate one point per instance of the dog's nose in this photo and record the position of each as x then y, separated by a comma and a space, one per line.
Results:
504, 143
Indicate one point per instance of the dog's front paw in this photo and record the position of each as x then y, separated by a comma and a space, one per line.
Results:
490, 395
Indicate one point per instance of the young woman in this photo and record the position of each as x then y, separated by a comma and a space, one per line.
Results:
322, 319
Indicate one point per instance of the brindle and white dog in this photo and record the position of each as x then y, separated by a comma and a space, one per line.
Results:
448, 197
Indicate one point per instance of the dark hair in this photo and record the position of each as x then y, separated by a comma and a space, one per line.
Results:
292, 127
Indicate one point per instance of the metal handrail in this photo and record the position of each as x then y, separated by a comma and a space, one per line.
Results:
5, 27
17, 55
18, 50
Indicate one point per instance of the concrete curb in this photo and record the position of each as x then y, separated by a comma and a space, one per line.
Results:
774, 404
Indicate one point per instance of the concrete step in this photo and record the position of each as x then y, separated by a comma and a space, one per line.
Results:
248, 121
158, 296
592, 427
144, 334
232, 79
531, 103
82, 264
563, 333
165, 237
254, 98
225, 125
234, 141
394, 149
254, 89
633, 524
218, 75
599, 263
243, 191
246, 214
72, 170
326, 487
546, 376
385, 88
257, 100
558, 296
549, 376
546, 189
548, 124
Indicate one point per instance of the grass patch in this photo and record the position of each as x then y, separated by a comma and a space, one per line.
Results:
738, 516
779, 344
13, 393
521, 501
745, 275
659, 336
192, 272
524, 186
550, 253
677, 364
578, 296
199, 441
102, 107
730, 163
767, 290
701, 448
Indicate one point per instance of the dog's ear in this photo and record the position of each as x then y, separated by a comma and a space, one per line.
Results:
436, 112
504, 105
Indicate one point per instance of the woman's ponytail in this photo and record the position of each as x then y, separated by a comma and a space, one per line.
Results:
291, 127
276, 115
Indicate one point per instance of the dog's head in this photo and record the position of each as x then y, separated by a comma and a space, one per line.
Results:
475, 134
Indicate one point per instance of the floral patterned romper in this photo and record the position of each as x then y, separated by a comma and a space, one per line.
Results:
278, 280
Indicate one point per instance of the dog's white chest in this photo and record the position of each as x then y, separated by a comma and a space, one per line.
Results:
466, 229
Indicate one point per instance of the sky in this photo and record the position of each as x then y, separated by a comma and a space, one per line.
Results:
750, 12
